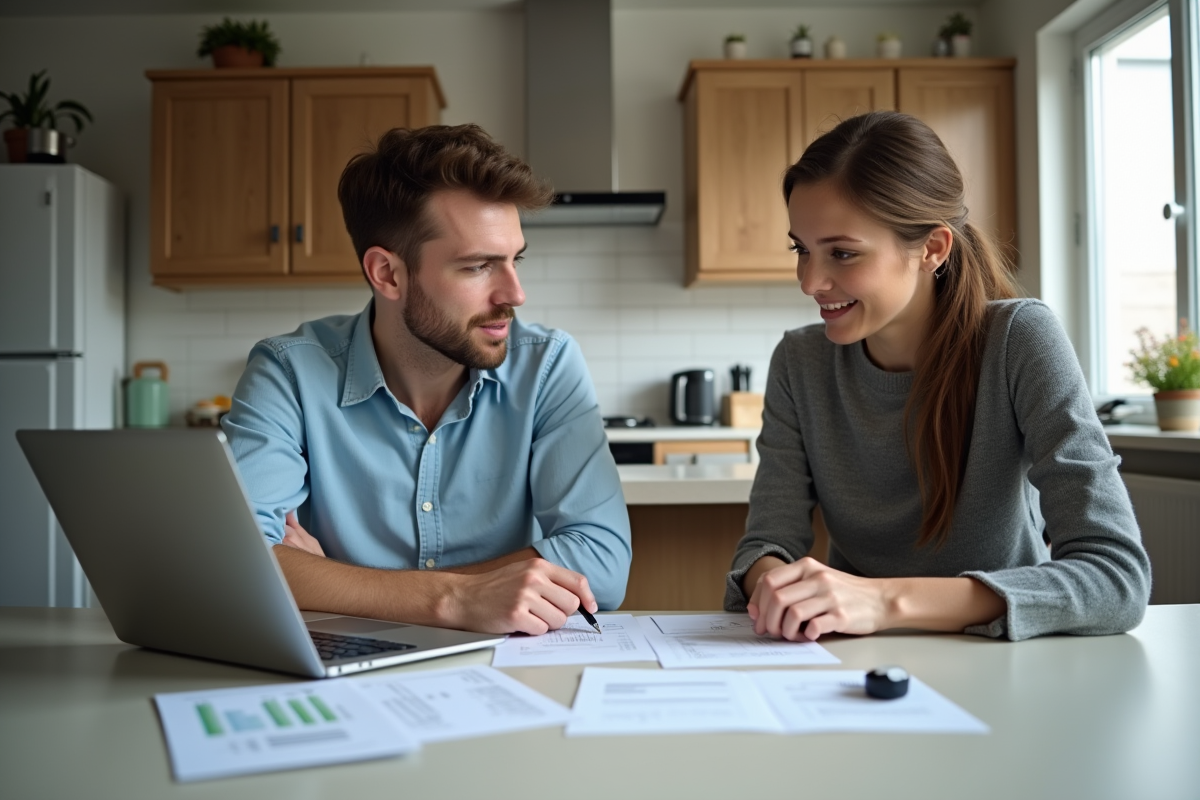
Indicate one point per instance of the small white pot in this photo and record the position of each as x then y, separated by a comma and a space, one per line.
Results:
835, 48
735, 49
960, 46
802, 48
889, 48
1178, 410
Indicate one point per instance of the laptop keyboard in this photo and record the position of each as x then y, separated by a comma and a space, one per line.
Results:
333, 646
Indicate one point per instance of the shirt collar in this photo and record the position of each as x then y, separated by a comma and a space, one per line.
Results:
364, 376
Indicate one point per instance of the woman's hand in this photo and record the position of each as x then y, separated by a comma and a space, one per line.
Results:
829, 601
297, 537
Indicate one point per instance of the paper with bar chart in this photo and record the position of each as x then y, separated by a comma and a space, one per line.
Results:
216, 734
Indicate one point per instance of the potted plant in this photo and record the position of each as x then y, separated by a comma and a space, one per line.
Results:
735, 45
957, 31
887, 45
239, 44
802, 46
35, 136
1171, 366
835, 48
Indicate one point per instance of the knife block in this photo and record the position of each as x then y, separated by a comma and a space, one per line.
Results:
742, 410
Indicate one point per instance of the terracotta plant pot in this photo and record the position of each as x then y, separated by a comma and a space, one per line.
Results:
16, 140
235, 57
1178, 410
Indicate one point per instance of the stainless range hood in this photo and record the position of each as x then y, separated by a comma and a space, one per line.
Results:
569, 116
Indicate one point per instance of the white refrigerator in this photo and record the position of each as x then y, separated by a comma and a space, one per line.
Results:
62, 354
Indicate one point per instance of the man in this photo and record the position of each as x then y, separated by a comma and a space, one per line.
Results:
449, 458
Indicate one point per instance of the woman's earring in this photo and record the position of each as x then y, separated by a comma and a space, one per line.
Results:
941, 269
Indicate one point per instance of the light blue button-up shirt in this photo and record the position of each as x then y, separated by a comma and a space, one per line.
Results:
519, 458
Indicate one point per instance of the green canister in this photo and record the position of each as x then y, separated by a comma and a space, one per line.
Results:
147, 401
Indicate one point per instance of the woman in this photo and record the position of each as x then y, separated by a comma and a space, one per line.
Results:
944, 427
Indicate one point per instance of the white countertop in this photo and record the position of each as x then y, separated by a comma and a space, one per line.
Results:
675, 433
1149, 437
647, 484
678, 484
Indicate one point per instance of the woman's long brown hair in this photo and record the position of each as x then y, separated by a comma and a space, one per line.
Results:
896, 170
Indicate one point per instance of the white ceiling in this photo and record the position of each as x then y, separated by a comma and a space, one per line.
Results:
44, 8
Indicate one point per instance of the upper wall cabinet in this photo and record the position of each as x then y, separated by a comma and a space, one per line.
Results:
747, 121
245, 166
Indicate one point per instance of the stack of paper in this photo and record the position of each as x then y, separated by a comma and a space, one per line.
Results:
635, 701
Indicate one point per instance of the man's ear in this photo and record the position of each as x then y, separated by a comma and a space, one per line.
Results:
385, 272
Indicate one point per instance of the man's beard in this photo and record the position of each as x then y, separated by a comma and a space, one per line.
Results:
433, 328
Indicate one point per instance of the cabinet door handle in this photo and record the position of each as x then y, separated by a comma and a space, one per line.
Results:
299, 233
274, 233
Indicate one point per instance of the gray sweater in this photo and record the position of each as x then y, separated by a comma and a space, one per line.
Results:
1039, 462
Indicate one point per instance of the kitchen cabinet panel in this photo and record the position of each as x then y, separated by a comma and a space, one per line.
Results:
748, 124
219, 174
972, 112
246, 164
831, 96
333, 120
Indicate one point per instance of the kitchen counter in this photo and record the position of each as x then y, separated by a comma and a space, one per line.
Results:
647, 484
677, 433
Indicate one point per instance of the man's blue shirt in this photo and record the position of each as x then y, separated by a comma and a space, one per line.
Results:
519, 458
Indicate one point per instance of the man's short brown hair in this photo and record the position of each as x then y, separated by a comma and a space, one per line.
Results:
384, 192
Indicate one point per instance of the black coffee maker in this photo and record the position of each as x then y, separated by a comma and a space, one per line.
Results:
693, 397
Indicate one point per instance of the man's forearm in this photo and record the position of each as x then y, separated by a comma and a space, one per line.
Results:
524, 554
322, 584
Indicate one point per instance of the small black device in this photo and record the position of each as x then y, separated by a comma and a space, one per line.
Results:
887, 683
693, 398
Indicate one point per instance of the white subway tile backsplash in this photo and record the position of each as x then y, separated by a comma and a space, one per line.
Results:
618, 291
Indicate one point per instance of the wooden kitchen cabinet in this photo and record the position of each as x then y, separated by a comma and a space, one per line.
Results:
245, 165
746, 121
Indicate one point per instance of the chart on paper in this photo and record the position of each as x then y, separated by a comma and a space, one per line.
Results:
239, 731
724, 640
621, 639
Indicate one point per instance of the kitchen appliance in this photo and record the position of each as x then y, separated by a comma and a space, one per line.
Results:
147, 401
569, 123
692, 397
62, 353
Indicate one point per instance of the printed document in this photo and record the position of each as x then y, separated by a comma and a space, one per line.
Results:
636, 701
724, 640
457, 703
826, 701
578, 643
216, 734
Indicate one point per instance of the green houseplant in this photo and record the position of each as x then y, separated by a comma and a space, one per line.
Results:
735, 45
1171, 367
957, 32
239, 44
801, 45
31, 111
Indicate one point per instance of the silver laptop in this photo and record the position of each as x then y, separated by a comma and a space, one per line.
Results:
161, 525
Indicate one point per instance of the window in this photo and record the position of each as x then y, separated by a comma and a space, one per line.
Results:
1141, 268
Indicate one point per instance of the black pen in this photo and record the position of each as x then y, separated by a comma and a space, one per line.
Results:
583, 612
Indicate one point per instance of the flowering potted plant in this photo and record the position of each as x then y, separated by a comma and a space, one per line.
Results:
1171, 366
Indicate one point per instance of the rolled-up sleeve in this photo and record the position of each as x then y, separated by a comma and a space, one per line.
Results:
265, 428
577, 498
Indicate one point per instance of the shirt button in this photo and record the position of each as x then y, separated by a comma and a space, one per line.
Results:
427, 506
416, 428
433, 438
429, 563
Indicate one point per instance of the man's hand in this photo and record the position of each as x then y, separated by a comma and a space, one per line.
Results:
295, 536
531, 596
828, 600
